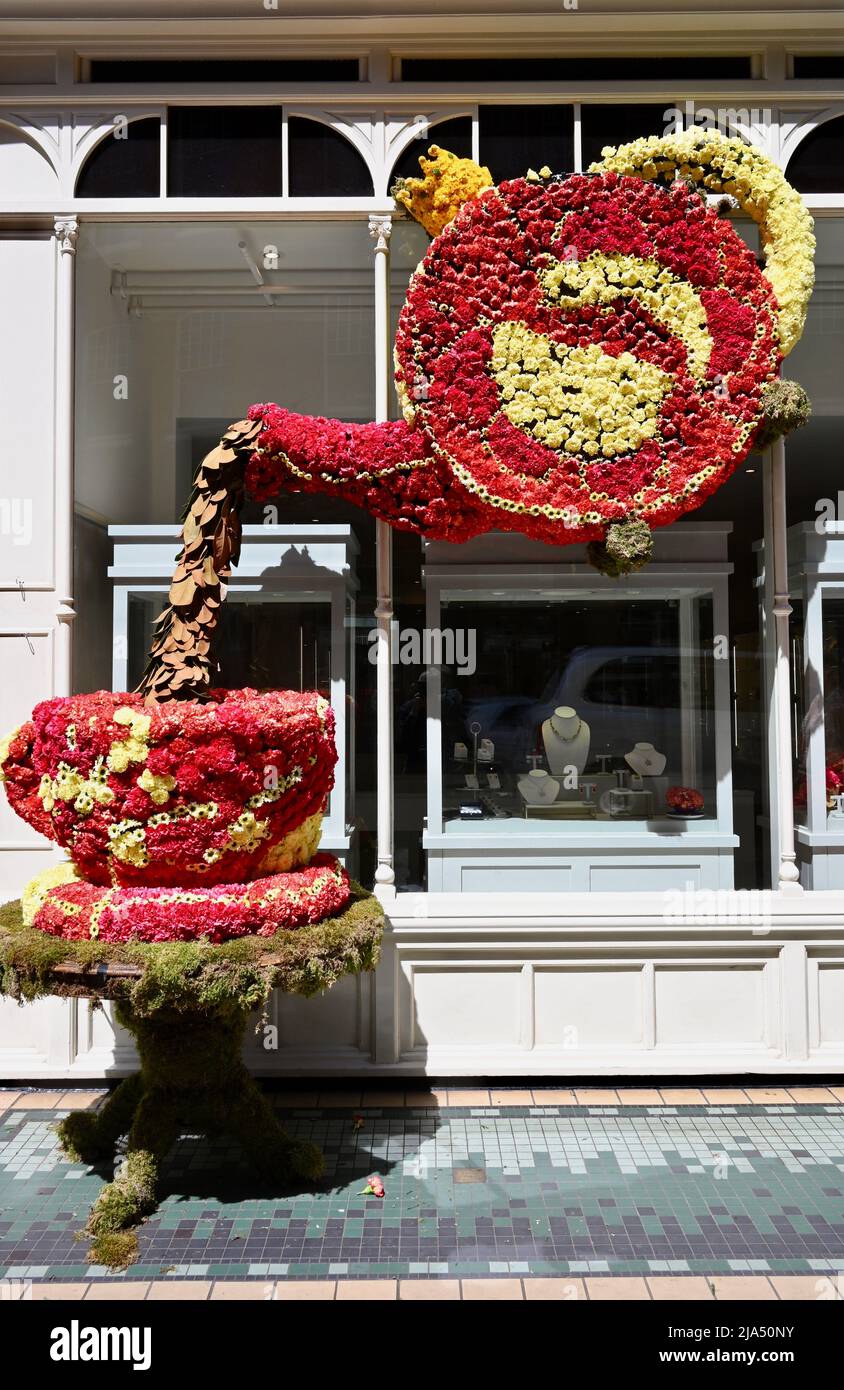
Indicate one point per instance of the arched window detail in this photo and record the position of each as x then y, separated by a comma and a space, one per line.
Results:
126, 163
454, 134
323, 163
817, 165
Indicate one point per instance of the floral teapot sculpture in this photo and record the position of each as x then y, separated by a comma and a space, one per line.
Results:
579, 358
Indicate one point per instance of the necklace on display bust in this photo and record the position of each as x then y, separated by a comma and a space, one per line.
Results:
558, 730
537, 788
645, 760
566, 739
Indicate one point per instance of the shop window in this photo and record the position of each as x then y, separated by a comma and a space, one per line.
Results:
809, 65
616, 124
323, 164
126, 164
575, 723
454, 135
817, 165
123, 70
200, 345
514, 139
224, 151
633, 68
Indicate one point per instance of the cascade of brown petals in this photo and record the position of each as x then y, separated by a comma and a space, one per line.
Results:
180, 665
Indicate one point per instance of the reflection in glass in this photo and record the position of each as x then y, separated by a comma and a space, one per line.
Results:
603, 697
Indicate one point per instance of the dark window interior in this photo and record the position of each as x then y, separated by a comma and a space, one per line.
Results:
817, 165
616, 124
217, 70
514, 139
809, 65
125, 164
630, 69
224, 151
323, 164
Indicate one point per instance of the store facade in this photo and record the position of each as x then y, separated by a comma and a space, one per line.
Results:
197, 220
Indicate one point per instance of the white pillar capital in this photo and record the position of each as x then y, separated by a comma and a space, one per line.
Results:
380, 229
67, 231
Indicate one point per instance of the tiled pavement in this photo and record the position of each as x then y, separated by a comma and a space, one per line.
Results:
503, 1194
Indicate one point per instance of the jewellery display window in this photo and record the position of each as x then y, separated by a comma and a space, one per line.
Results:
579, 727
285, 625
816, 588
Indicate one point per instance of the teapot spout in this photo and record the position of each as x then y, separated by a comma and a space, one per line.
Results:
385, 468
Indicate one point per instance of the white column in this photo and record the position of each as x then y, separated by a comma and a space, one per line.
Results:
786, 876
385, 875
66, 230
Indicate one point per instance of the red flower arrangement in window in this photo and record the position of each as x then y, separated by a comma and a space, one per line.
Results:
684, 801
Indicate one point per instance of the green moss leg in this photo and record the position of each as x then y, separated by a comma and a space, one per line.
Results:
90, 1135
132, 1195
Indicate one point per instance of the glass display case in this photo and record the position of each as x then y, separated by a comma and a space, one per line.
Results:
286, 625
816, 588
579, 728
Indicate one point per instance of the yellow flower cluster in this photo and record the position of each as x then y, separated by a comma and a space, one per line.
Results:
133, 748
159, 785
127, 840
726, 164
603, 279
296, 849
580, 400
447, 183
35, 893
5, 745
246, 833
70, 785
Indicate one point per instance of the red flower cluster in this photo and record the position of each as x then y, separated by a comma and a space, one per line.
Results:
277, 902
182, 792
684, 799
692, 309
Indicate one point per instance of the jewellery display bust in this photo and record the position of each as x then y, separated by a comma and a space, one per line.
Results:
645, 761
537, 788
566, 738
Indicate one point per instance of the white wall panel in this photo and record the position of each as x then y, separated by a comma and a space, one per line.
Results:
464, 1007
713, 1005
830, 978
26, 676
27, 348
577, 1008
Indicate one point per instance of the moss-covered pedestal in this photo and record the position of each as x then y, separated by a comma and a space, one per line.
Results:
187, 1005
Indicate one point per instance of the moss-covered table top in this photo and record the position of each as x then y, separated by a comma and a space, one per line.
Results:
190, 975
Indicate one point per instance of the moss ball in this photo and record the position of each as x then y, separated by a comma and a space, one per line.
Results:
786, 407
627, 546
